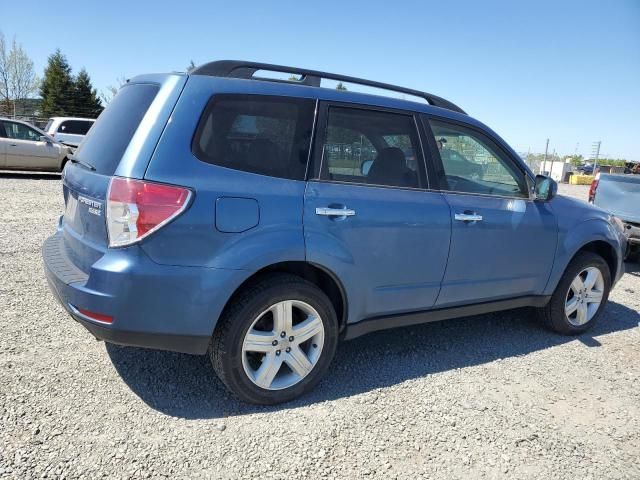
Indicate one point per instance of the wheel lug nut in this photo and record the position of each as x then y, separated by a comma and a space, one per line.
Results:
288, 349
315, 346
274, 343
291, 338
278, 352
283, 334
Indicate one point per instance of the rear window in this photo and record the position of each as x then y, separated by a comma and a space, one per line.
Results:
260, 134
75, 127
107, 141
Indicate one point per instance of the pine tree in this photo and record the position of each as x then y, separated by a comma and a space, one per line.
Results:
86, 102
57, 89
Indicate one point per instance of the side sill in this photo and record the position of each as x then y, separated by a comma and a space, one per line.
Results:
374, 324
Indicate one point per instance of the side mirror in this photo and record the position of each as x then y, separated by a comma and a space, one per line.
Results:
44, 138
365, 167
546, 188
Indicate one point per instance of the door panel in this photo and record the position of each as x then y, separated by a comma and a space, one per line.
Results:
27, 154
508, 253
3, 152
390, 255
502, 242
24, 150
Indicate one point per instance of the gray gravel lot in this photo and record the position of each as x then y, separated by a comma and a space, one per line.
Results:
492, 396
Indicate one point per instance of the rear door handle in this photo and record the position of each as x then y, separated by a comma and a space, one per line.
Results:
468, 217
335, 212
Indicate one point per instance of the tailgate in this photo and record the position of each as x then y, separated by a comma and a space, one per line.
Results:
620, 195
120, 142
83, 226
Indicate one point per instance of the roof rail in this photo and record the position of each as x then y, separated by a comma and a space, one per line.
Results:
246, 70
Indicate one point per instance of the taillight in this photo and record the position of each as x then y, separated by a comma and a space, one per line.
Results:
593, 188
136, 208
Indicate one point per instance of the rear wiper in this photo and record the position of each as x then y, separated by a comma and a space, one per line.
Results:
73, 159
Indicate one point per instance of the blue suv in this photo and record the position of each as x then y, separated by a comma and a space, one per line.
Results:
260, 220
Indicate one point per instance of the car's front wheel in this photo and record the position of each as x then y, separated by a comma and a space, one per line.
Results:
276, 340
580, 296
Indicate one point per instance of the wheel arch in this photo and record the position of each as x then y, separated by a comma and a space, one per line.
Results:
594, 236
605, 250
323, 278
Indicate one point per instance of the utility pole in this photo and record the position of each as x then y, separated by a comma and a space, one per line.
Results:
595, 152
544, 162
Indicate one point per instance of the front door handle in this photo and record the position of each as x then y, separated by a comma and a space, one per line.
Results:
335, 212
468, 217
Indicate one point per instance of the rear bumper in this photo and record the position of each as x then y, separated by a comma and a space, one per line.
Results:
175, 343
152, 306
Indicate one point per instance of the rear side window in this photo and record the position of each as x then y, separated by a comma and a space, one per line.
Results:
75, 127
107, 141
372, 147
259, 134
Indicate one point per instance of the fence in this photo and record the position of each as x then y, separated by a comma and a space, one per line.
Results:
40, 122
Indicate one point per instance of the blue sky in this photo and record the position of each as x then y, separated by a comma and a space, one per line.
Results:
567, 70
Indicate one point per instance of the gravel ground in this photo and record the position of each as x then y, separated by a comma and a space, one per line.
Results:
493, 396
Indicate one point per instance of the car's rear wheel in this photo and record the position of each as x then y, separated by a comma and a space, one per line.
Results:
580, 296
275, 341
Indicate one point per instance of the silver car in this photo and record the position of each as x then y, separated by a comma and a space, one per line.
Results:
25, 147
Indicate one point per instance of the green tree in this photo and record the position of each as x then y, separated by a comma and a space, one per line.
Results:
57, 88
85, 102
575, 160
340, 86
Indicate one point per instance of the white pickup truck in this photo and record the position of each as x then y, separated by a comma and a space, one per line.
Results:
620, 196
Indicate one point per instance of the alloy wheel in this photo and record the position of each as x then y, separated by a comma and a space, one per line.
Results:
584, 296
282, 345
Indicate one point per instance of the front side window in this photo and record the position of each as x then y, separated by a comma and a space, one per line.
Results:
17, 131
371, 147
472, 163
257, 134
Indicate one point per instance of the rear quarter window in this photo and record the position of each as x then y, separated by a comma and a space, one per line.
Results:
75, 127
260, 134
107, 141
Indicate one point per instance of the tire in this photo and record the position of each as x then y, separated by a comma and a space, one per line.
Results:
633, 255
239, 367
64, 163
554, 314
